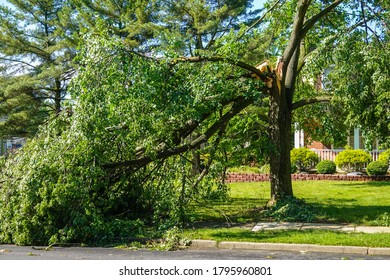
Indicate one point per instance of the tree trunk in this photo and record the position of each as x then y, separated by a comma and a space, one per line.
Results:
196, 163
280, 135
57, 97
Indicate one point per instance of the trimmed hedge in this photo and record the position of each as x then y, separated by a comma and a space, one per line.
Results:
326, 167
304, 159
385, 157
377, 168
352, 160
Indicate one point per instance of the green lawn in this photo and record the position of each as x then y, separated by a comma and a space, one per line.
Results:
319, 237
363, 203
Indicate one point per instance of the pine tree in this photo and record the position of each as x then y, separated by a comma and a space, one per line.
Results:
200, 23
132, 20
37, 40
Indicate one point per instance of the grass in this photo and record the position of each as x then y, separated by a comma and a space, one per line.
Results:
360, 203
320, 237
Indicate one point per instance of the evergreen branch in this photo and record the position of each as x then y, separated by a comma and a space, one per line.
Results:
15, 34
304, 102
18, 61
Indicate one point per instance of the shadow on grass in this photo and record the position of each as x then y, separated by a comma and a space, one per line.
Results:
234, 209
361, 203
363, 184
351, 214
250, 210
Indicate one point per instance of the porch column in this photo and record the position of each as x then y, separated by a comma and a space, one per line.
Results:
356, 138
298, 137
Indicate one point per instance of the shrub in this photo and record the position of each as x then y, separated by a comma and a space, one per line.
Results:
352, 160
377, 168
304, 159
326, 167
245, 169
385, 157
265, 169
293, 168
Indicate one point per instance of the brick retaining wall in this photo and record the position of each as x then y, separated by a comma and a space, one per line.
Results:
241, 177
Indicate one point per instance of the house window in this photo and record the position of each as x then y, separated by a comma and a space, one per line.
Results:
356, 140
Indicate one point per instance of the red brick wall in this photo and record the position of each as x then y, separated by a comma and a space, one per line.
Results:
238, 177
317, 145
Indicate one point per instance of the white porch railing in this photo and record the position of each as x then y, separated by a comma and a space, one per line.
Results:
331, 154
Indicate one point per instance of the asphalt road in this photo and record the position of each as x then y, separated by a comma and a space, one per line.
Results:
12, 252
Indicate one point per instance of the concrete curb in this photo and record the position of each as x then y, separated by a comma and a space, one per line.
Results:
311, 226
208, 244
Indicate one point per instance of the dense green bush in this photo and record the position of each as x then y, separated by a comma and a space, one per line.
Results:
385, 157
265, 169
377, 168
304, 159
352, 160
293, 168
326, 167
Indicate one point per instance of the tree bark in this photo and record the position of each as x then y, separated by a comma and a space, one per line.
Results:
280, 135
57, 97
281, 100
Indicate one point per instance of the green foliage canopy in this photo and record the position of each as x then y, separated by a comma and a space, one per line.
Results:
110, 158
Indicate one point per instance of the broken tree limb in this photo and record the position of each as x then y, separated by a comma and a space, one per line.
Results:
313, 100
163, 151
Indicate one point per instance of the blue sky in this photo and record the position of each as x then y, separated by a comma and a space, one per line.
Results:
257, 3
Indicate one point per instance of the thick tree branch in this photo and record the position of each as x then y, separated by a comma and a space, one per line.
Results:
240, 64
292, 54
296, 34
164, 152
304, 102
314, 19
200, 59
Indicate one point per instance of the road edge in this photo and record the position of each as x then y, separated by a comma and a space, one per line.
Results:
230, 245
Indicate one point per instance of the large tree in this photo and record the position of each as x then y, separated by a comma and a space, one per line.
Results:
37, 46
315, 28
125, 152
